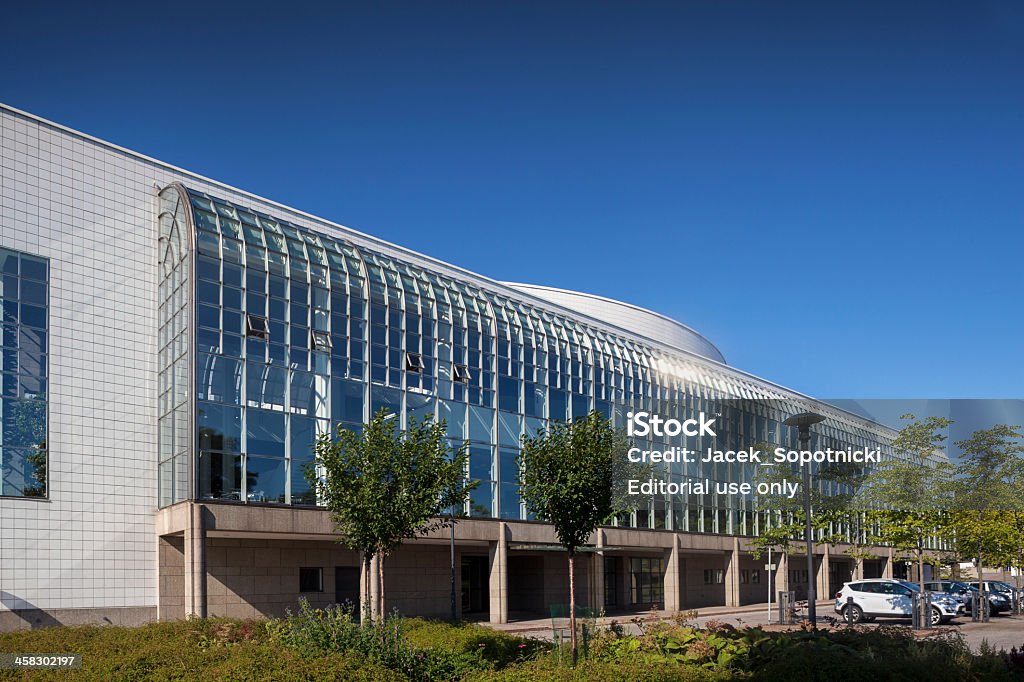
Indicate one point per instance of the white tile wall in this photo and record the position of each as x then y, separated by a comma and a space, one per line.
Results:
88, 210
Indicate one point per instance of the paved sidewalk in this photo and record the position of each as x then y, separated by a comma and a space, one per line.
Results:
1002, 632
739, 616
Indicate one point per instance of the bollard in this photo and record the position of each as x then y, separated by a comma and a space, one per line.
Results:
915, 610
849, 610
787, 607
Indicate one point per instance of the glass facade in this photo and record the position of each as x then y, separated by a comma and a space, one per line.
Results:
24, 299
296, 332
173, 343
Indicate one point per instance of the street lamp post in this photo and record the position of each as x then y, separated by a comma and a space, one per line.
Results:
804, 421
451, 526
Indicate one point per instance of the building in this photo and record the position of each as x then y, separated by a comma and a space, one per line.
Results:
172, 346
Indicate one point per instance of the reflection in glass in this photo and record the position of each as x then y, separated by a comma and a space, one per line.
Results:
481, 499
220, 476
23, 401
264, 479
264, 433
220, 427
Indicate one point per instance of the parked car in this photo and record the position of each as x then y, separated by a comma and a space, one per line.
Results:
1002, 592
961, 591
887, 598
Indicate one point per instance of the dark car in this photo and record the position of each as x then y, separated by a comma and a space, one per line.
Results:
1001, 588
998, 602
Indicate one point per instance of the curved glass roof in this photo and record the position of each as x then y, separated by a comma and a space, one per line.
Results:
238, 234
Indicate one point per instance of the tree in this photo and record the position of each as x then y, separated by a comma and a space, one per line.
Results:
568, 476
784, 516
834, 487
383, 486
1015, 542
907, 495
990, 479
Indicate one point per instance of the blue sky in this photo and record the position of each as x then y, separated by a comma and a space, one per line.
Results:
714, 161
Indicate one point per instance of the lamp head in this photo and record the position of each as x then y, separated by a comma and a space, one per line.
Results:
804, 419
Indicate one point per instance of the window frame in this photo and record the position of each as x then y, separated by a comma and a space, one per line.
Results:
304, 574
414, 362
252, 330
320, 340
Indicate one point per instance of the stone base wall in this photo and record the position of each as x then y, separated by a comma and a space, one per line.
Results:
260, 578
25, 619
417, 580
696, 592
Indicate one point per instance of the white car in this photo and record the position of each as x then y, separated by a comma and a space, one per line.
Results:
862, 600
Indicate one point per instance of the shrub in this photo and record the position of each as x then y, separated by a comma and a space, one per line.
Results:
548, 669
216, 649
499, 648
386, 643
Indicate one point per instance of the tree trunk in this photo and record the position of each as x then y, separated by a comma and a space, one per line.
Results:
367, 613
380, 571
572, 604
923, 603
982, 596
1020, 567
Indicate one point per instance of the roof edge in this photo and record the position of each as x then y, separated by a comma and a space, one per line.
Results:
624, 304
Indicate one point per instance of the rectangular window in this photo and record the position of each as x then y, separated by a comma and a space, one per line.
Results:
311, 580
461, 374
648, 581
413, 362
24, 298
256, 326
320, 340
714, 576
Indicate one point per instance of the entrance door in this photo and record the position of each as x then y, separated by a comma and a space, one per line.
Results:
839, 573
612, 567
346, 586
474, 584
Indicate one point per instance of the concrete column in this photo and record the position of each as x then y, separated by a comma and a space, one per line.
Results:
732, 574
887, 568
822, 588
597, 573
858, 569
673, 584
195, 562
498, 578
626, 576
782, 574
